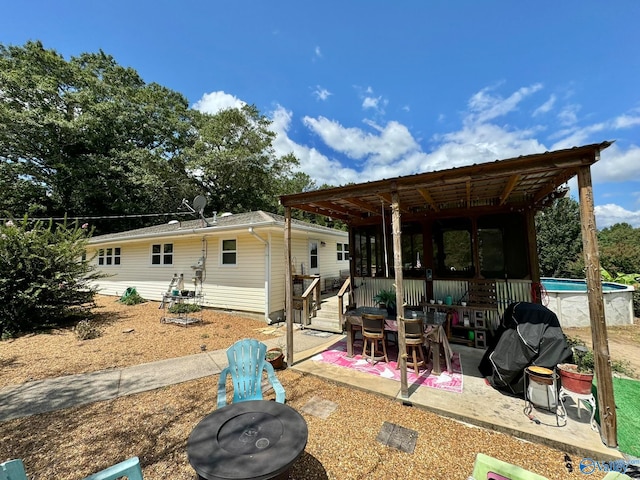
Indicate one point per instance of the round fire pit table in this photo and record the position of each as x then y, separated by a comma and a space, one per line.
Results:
258, 439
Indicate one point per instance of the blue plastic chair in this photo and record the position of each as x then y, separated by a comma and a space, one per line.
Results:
13, 470
129, 468
247, 360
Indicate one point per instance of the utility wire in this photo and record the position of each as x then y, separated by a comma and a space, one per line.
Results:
104, 217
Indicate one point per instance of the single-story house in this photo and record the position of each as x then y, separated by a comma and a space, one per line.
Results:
236, 261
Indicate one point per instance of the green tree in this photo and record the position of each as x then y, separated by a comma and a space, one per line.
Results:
234, 162
559, 239
88, 137
620, 248
44, 277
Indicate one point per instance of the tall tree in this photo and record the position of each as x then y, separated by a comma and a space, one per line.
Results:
559, 238
87, 136
234, 161
620, 248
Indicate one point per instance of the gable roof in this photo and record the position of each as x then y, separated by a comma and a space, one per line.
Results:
222, 223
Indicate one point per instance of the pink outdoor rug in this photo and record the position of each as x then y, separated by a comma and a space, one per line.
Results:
449, 381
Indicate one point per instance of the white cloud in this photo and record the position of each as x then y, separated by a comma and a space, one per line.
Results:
484, 106
545, 107
569, 115
610, 214
318, 166
318, 52
393, 141
370, 102
321, 93
215, 101
616, 165
626, 121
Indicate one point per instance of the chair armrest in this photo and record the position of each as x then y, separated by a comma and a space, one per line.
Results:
275, 383
222, 387
130, 468
13, 469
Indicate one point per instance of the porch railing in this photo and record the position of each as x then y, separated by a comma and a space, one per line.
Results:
507, 291
309, 302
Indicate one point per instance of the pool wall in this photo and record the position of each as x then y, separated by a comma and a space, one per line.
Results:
572, 307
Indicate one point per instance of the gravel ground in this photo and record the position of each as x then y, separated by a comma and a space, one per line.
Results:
73, 443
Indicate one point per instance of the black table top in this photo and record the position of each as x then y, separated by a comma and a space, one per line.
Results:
257, 439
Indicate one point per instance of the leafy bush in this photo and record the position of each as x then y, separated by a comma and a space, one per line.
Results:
45, 280
587, 362
134, 299
86, 330
184, 308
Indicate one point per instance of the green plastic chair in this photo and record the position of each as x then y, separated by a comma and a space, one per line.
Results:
129, 468
486, 467
247, 361
13, 470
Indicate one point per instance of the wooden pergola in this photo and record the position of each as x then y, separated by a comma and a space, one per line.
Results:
525, 184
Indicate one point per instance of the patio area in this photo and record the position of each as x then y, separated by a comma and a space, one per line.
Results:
478, 404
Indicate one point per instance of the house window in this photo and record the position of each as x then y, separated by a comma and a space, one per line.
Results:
229, 252
452, 248
343, 251
109, 256
162, 254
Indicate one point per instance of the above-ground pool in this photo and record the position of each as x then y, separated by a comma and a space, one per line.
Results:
568, 300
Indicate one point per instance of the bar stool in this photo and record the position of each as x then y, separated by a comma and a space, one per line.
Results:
373, 336
414, 340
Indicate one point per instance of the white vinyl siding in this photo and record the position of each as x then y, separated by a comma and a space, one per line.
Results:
240, 288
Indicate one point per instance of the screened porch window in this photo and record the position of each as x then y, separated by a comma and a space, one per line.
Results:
453, 248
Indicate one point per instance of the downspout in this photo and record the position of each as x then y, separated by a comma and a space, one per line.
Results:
267, 273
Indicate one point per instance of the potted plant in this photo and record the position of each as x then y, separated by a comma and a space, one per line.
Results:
577, 376
386, 299
275, 356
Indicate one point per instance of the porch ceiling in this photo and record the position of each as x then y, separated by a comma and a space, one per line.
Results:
529, 181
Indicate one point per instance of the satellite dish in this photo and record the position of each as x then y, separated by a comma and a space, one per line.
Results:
199, 203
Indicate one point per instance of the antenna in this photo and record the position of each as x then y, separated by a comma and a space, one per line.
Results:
199, 203
198, 206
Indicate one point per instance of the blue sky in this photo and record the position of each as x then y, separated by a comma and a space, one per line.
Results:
361, 90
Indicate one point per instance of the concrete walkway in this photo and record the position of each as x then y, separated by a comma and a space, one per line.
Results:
52, 394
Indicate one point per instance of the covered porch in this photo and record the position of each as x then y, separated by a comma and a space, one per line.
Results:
449, 230
478, 404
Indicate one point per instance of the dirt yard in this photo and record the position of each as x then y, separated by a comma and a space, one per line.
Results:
131, 335
624, 344
155, 425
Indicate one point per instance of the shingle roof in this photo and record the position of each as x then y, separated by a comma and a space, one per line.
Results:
239, 220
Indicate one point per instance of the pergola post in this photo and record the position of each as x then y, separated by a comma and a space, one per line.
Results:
602, 359
397, 267
532, 248
288, 285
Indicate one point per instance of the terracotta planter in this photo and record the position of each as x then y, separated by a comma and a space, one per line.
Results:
275, 357
574, 381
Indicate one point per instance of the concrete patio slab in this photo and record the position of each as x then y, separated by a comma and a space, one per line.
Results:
479, 404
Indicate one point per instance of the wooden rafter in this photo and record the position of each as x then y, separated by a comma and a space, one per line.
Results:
367, 207
334, 207
511, 184
427, 196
